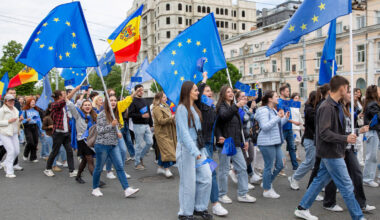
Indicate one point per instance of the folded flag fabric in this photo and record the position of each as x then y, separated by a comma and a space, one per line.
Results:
211, 162
287, 104
26, 75
328, 62
229, 147
4, 84
106, 63
242, 87
208, 101
141, 72
45, 97
136, 79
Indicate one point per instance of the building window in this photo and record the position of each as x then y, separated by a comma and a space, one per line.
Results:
158, 23
187, 8
234, 13
243, 14
221, 11
319, 32
361, 53
180, 7
226, 11
167, 20
179, 20
302, 91
360, 21
190, 8
203, 9
234, 26
318, 63
243, 26
287, 64
167, 7
217, 23
377, 17
241, 70
301, 62
217, 11
361, 84
251, 69
222, 24
226, 37
199, 8
208, 10
339, 57
274, 66
241, 51
232, 53
378, 50
190, 22
158, 36
168, 34
187, 22
262, 69
226, 24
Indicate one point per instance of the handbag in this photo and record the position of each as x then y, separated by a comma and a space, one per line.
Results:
92, 133
200, 140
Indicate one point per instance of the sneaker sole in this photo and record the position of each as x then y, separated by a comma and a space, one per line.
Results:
129, 196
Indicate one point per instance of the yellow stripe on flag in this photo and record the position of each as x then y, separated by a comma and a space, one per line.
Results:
129, 35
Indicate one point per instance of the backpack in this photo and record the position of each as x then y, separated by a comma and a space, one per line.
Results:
92, 133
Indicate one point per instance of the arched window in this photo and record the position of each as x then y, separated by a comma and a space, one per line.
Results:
203, 9
361, 84
179, 7
217, 11
167, 7
199, 9
243, 14
208, 10
226, 11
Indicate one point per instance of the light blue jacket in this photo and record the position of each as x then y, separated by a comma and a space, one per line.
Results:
34, 116
186, 136
270, 126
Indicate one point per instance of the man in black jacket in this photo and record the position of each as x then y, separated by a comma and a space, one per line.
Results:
142, 122
331, 142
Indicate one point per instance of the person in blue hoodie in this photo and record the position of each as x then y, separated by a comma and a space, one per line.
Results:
33, 127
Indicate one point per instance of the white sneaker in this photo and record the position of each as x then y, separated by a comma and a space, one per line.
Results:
219, 210
73, 173
128, 159
246, 198
127, 175
233, 176
368, 208
11, 175
128, 192
59, 163
293, 183
271, 194
250, 186
18, 167
65, 164
160, 170
255, 178
225, 199
96, 192
168, 173
319, 198
305, 214
111, 176
35, 161
371, 184
2, 165
335, 208
48, 173
24, 158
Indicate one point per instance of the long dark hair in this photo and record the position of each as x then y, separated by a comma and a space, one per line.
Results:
360, 98
92, 112
371, 95
321, 93
267, 95
108, 112
222, 96
311, 99
184, 99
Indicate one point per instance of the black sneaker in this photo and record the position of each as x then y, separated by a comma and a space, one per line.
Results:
186, 217
101, 184
203, 214
79, 180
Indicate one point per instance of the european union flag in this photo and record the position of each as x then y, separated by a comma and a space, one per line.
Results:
206, 100
229, 147
106, 63
178, 61
136, 79
60, 40
310, 16
45, 97
328, 56
242, 87
252, 93
141, 72
73, 76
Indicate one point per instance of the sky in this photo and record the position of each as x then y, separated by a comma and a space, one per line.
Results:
19, 18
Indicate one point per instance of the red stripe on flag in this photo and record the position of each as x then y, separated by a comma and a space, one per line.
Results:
128, 53
15, 81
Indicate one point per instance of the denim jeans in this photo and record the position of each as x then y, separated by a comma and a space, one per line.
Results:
128, 140
45, 143
272, 154
290, 147
21, 137
240, 168
144, 141
309, 161
214, 188
123, 152
336, 170
371, 149
194, 183
102, 153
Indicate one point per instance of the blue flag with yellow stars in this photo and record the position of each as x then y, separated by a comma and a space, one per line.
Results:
45, 97
105, 63
178, 61
141, 72
328, 56
60, 40
73, 76
310, 16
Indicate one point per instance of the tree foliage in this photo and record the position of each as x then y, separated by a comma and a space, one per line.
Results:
220, 78
155, 87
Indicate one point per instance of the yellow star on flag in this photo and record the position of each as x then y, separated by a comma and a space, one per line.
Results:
204, 50
38, 32
73, 34
37, 39
174, 52
45, 24
51, 48
175, 72
291, 28
73, 45
303, 27
188, 41
60, 57
322, 6
172, 63
77, 74
82, 74
42, 45
105, 63
195, 76
67, 54
72, 72
56, 19
325, 61
179, 44
68, 23
182, 78
198, 43
315, 19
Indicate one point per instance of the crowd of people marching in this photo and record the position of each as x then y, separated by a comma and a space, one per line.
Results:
245, 133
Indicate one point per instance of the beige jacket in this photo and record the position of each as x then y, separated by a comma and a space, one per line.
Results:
6, 128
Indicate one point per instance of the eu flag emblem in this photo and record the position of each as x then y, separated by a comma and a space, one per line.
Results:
106, 62
60, 40
73, 76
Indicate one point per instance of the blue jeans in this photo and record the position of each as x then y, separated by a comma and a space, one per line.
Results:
214, 188
123, 152
309, 161
102, 153
272, 154
240, 168
128, 140
290, 147
194, 183
371, 149
144, 141
45, 145
336, 170
21, 137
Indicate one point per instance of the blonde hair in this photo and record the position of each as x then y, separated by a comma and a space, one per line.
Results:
96, 100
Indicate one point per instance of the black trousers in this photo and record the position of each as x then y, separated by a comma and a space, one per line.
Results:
356, 176
58, 140
31, 136
3, 152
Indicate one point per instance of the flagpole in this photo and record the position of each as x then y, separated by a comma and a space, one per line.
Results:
123, 82
352, 75
87, 72
56, 80
155, 83
333, 68
242, 132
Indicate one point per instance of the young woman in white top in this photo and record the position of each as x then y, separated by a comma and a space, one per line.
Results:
297, 117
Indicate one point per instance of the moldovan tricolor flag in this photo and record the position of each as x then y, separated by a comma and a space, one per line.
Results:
26, 75
125, 41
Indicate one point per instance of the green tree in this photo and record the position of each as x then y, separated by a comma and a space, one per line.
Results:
220, 78
155, 87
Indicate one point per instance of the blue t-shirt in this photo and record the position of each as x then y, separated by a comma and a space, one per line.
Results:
287, 125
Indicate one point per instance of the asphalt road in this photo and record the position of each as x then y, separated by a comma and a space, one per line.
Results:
32, 196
